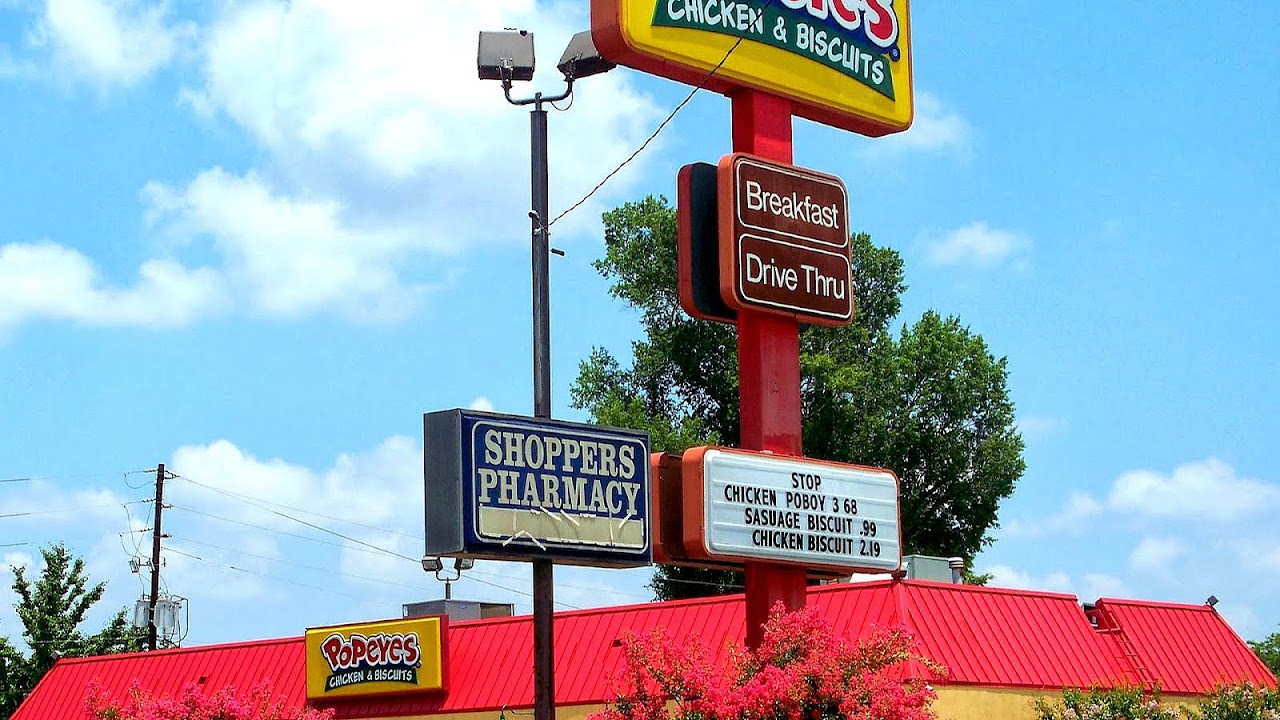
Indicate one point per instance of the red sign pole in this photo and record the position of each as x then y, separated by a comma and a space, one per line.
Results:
768, 364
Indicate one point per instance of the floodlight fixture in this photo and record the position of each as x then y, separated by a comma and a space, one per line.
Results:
581, 59
505, 55
461, 564
432, 564
1212, 601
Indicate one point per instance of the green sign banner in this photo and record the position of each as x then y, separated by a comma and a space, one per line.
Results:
783, 29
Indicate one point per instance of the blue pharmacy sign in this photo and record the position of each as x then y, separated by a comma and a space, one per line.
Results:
508, 487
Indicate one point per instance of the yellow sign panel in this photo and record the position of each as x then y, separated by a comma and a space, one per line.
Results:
394, 656
845, 63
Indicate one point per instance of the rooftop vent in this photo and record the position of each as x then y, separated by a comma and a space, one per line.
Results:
937, 569
459, 609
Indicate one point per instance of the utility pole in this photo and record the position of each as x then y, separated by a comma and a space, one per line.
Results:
155, 559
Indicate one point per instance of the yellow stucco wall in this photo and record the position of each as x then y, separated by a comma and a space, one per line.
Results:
978, 703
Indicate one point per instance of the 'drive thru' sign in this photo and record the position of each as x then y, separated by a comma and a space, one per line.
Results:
784, 243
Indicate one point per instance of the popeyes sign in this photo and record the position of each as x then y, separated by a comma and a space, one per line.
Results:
396, 656
846, 63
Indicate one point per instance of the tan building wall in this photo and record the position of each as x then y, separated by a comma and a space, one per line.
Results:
979, 703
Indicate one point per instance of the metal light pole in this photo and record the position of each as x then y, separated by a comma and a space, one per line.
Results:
508, 56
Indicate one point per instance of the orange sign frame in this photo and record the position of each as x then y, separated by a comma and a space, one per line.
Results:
697, 535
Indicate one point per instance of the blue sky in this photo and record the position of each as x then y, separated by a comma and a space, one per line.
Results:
256, 241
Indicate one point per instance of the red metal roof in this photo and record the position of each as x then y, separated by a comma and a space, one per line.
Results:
1009, 638
60, 694
983, 636
1182, 648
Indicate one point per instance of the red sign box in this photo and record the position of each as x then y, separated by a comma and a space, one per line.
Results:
784, 241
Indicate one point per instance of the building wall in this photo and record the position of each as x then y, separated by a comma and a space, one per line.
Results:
978, 703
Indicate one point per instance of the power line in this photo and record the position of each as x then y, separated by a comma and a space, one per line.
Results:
300, 565
369, 546
371, 549
262, 503
259, 574
264, 528
335, 533
701, 84
80, 476
30, 513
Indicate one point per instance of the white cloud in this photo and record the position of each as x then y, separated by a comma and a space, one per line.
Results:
1078, 508
108, 43
980, 245
373, 488
47, 280
935, 128
1100, 585
383, 110
290, 256
1155, 555
1005, 576
381, 154
482, 403
17, 559
366, 497
1089, 587
1207, 489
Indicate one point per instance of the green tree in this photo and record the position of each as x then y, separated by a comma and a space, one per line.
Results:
51, 610
930, 402
1269, 651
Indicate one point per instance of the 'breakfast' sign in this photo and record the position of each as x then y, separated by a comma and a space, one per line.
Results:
784, 240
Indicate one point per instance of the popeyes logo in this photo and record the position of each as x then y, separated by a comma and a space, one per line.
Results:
381, 650
392, 656
874, 19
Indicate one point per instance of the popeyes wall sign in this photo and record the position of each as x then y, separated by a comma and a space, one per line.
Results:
382, 658
846, 63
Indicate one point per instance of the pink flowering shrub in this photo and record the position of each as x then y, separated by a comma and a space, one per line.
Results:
192, 704
801, 671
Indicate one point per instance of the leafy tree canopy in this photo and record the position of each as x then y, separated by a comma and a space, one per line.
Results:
930, 402
51, 610
1269, 651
